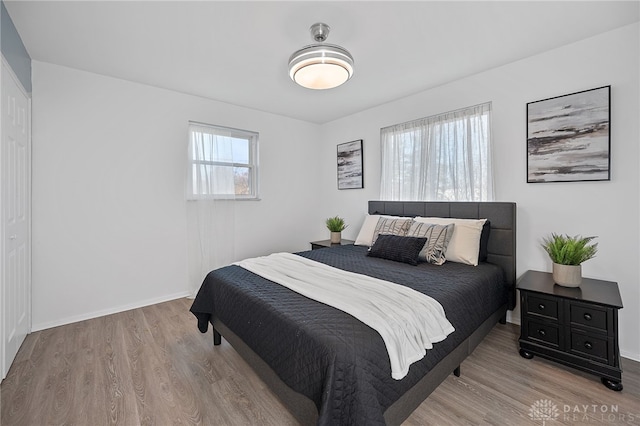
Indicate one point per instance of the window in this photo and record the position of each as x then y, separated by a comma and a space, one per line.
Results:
223, 162
446, 157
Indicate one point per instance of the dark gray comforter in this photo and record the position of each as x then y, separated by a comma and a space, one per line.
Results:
329, 356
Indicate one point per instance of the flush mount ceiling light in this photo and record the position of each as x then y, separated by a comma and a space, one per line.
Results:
321, 66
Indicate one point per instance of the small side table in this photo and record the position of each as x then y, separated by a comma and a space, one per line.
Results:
327, 243
577, 327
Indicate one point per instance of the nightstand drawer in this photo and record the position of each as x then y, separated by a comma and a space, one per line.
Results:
589, 346
546, 333
588, 315
543, 306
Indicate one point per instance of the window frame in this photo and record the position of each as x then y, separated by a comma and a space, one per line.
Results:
252, 164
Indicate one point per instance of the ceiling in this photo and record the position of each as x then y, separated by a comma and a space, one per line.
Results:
237, 52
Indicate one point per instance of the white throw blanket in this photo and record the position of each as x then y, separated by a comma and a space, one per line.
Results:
408, 321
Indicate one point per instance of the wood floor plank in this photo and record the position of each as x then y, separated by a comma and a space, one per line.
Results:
159, 341
115, 375
151, 366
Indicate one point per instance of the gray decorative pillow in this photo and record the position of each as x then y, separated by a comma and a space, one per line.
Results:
391, 226
438, 237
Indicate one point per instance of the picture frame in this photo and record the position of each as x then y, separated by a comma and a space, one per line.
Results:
350, 173
569, 137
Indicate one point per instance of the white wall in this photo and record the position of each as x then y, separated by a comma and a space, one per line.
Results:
109, 157
609, 210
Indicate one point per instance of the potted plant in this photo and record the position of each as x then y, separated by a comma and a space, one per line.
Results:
567, 254
336, 225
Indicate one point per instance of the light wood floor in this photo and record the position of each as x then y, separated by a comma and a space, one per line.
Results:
151, 366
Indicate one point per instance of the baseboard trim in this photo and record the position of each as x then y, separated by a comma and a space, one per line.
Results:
96, 314
513, 319
629, 355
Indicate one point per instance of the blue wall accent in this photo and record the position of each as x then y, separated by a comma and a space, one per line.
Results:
13, 49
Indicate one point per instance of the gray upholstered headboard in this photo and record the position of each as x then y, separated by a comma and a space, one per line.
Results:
502, 216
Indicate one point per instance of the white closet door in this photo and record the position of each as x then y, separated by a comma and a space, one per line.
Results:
15, 211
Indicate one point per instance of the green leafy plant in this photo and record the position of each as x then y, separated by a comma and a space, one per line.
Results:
567, 250
336, 224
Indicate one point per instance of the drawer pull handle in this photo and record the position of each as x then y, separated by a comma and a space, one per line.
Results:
542, 332
588, 345
541, 307
587, 316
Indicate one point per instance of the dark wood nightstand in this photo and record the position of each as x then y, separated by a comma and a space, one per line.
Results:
327, 243
577, 327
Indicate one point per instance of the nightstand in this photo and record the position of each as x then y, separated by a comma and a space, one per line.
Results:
577, 327
327, 243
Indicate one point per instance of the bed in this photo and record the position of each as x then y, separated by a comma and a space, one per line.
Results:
328, 367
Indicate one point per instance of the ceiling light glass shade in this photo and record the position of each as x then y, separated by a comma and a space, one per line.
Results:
321, 66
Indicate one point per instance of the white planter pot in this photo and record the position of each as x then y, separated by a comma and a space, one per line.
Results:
336, 237
567, 275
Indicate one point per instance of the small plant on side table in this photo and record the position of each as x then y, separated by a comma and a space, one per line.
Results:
567, 254
336, 225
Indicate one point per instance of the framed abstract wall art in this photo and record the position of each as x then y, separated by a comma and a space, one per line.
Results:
568, 137
350, 165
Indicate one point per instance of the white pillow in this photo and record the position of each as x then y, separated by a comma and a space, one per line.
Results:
365, 236
464, 245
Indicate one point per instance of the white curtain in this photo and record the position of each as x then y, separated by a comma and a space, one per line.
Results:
446, 157
210, 195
